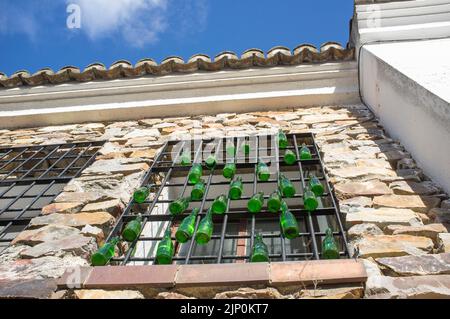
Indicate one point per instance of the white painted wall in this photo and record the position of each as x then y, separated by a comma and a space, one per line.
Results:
177, 95
404, 20
407, 84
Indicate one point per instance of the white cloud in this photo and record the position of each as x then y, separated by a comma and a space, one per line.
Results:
138, 21
19, 19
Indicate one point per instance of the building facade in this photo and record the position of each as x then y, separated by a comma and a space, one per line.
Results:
76, 144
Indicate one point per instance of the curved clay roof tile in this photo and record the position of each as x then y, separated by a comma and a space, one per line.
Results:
173, 58
251, 52
327, 45
148, 61
23, 77
23, 73
305, 46
72, 69
95, 65
229, 54
199, 56
47, 71
122, 63
281, 49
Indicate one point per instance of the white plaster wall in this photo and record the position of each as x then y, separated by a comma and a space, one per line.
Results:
178, 95
407, 84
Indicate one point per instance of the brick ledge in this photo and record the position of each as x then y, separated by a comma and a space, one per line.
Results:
303, 273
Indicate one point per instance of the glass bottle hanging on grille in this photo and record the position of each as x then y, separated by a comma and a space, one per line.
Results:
186, 229
236, 189
288, 223
245, 147
211, 161
179, 205
315, 185
205, 229
282, 140
219, 205
185, 158
262, 171
305, 153
310, 201
102, 256
132, 230
229, 170
274, 202
195, 173
256, 202
286, 186
164, 252
230, 148
330, 248
260, 252
289, 157
198, 191
141, 194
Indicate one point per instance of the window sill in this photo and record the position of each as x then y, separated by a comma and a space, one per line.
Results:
278, 274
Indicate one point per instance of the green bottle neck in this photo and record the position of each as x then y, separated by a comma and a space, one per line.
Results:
114, 241
194, 212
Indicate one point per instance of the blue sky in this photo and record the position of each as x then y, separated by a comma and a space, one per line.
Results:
34, 33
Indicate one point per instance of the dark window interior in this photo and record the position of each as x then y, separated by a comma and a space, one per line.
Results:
31, 177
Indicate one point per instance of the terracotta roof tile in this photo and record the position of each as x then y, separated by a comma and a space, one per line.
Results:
279, 55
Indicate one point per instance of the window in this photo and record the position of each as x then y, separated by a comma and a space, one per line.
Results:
31, 177
234, 231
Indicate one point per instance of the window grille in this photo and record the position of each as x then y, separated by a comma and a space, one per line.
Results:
234, 232
32, 176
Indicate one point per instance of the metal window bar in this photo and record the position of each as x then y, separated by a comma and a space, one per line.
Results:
31, 177
171, 169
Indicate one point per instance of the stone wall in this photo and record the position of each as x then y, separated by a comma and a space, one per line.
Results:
397, 218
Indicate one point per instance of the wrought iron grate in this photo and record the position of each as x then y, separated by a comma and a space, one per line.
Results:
32, 176
234, 231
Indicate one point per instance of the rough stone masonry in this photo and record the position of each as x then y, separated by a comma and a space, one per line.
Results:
397, 218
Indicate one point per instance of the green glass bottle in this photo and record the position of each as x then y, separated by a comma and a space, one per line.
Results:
305, 153
230, 149
219, 206
211, 161
245, 148
315, 185
229, 170
164, 252
290, 157
282, 140
274, 202
195, 174
187, 227
310, 200
288, 223
102, 256
330, 248
256, 203
260, 253
185, 158
262, 171
141, 194
236, 188
205, 229
198, 191
179, 205
286, 187
132, 230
